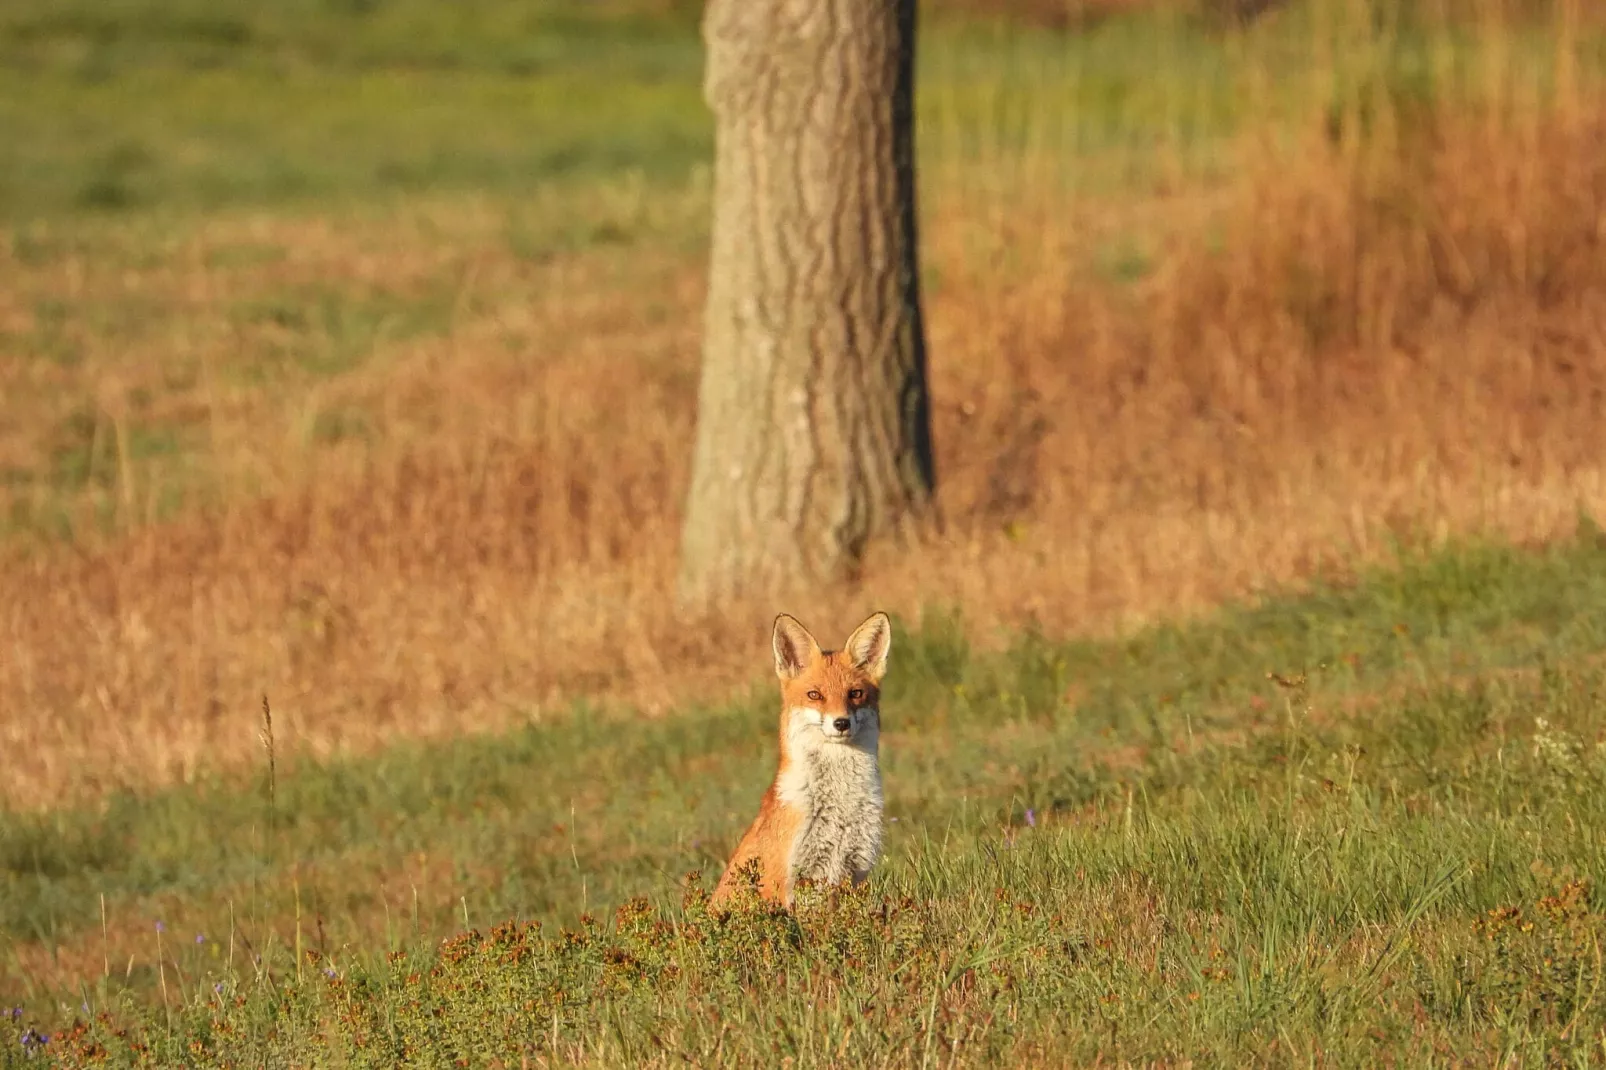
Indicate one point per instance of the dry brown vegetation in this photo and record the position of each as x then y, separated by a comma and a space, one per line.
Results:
1352, 342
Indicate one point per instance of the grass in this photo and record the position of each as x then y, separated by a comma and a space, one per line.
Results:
312, 348
202, 106
1191, 338
191, 107
1144, 848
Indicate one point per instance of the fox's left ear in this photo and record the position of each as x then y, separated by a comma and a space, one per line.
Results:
869, 645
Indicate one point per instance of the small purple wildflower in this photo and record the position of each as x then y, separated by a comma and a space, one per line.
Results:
330, 973
160, 927
32, 1039
16, 1012
200, 938
218, 987
893, 820
1031, 818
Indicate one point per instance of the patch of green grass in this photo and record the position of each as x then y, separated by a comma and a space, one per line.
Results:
1143, 848
325, 331
87, 456
148, 104
1124, 261
209, 139
343, 34
87, 466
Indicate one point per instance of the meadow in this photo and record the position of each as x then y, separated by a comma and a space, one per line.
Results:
1355, 827
1266, 346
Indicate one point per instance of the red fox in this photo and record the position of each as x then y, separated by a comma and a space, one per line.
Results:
821, 818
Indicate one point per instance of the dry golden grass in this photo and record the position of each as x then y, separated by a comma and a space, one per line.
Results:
1346, 345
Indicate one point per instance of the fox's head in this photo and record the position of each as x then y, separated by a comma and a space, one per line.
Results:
831, 697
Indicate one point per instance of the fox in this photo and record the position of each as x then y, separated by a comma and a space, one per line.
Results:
821, 818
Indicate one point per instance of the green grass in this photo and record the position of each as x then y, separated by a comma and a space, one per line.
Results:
109, 107
1217, 865
120, 105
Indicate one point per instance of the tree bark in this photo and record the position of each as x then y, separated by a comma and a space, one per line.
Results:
813, 426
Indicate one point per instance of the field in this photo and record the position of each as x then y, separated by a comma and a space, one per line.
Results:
1135, 850
1263, 347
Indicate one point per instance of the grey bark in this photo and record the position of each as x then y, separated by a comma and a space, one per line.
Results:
813, 426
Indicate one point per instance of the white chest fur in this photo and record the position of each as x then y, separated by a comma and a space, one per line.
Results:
838, 790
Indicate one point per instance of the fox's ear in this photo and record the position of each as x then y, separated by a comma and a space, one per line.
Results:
795, 648
869, 645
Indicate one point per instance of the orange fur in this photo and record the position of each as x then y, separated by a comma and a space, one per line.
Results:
821, 817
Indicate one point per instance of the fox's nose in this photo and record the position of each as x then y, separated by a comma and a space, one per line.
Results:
842, 724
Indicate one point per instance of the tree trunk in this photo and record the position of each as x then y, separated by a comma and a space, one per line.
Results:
813, 425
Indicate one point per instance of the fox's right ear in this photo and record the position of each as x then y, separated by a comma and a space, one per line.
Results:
795, 648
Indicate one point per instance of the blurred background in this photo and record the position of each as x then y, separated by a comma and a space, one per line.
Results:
348, 348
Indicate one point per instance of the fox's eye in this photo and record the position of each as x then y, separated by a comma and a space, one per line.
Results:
815, 696
855, 695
